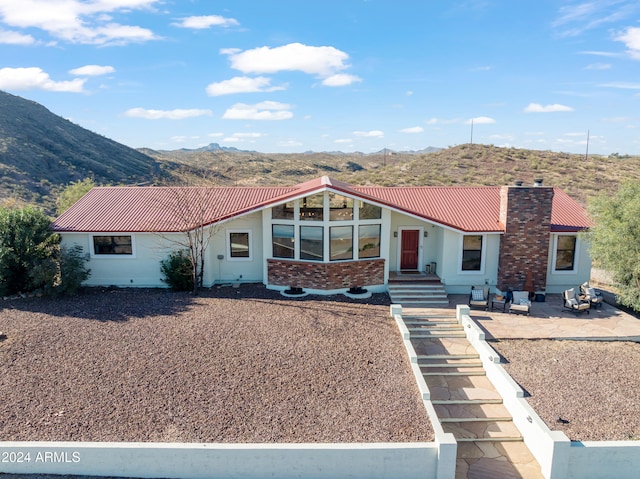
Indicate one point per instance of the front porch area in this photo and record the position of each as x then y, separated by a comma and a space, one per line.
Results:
416, 289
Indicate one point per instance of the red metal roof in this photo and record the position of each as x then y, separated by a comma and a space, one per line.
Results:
169, 209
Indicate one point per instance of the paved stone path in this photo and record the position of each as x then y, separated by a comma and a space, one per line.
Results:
467, 404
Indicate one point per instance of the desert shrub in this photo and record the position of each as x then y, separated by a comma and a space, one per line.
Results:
177, 271
26, 243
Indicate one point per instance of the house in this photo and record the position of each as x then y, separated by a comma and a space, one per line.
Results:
326, 236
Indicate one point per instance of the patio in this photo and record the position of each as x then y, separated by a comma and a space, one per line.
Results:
549, 321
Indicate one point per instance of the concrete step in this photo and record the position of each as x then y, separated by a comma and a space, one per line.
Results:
483, 431
437, 327
437, 334
465, 402
475, 419
455, 373
447, 356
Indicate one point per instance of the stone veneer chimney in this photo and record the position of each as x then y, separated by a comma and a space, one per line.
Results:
525, 211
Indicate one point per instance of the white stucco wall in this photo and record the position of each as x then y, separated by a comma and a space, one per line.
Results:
430, 247
142, 269
558, 281
459, 282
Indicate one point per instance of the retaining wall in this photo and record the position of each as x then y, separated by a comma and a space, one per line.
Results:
559, 458
249, 461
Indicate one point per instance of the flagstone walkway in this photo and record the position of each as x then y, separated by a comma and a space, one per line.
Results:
467, 404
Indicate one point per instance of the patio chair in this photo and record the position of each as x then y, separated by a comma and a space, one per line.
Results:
520, 303
574, 304
592, 295
479, 297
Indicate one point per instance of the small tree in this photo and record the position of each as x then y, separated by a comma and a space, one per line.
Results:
615, 240
72, 193
189, 208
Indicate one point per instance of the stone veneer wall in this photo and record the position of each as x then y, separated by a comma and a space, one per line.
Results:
524, 248
325, 276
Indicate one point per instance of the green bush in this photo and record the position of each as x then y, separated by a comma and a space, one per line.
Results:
177, 270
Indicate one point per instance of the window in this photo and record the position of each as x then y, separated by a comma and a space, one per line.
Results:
112, 245
341, 245
312, 207
283, 241
340, 207
239, 244
369, 212
283, 211
471, 253
369, 241
311, 243
565, 253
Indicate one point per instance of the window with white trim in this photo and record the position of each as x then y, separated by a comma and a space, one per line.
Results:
239, 245
113, 245
471, 253
565, 257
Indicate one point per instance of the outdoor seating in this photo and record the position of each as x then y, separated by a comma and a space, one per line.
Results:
573, 303
592, 295
520, 303
479, 297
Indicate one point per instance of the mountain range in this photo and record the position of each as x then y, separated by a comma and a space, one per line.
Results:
41, 153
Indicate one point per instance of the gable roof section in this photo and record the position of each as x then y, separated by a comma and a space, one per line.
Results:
174, 209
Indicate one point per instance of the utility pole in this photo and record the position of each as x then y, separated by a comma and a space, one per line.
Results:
586, 155
471, 131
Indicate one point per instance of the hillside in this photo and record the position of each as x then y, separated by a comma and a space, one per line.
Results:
460, 165
40, 152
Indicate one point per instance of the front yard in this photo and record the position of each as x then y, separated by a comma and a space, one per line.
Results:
237, 365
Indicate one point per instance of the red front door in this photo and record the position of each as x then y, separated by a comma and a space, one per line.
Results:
409, 249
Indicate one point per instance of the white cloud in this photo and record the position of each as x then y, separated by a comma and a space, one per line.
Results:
77, 21
577, 18
480, 120
266, 110
539, 108
413, 129
205, 21
242, 85
622, 85
341, 79
631, 38
216, 135
15, 38
34, 78
321, 61
598, 66
92, 70
369, 134
248, 135
177, 114
343, 141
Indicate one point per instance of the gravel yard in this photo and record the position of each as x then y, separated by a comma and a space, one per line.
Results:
593, 385
233, 365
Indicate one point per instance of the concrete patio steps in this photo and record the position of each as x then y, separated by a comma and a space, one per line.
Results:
418, 294
467, 404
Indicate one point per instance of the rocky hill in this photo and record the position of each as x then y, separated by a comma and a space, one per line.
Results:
40, 152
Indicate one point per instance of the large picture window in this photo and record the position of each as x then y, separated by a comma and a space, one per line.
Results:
341, 246
311, 243
565, 253
472, 253
112, 245
283, 241
369, 241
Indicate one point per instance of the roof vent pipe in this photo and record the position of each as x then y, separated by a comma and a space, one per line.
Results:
518, 182
537, 182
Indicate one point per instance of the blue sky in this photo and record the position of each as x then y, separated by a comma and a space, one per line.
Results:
349, 75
